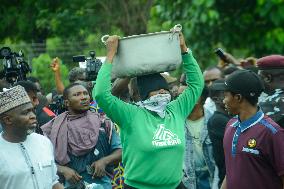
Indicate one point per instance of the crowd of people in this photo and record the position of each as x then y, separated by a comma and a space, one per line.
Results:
220, 129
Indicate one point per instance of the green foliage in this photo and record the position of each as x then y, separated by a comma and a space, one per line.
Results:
42, 71
66, 28
243, 28
37, 20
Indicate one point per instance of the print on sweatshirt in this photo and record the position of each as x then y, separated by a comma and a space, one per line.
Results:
165, 137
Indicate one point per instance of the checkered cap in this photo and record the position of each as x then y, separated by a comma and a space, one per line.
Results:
12, 98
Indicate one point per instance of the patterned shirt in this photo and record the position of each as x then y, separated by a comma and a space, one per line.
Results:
273, 106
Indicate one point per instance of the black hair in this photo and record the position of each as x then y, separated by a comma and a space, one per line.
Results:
272, 72
33, 79
67, 89
75, 74
214, 93
149, 83
253, 69
133, 90
28, 85
43, 102
253, 100
229, 70
2, 74
3, 84
204, 94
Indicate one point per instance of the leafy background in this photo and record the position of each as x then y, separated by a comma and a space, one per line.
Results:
63, 28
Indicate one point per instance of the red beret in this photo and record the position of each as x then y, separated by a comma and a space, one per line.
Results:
271, 62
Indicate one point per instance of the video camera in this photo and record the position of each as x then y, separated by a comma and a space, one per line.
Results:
15, 67
93, 65
57, 105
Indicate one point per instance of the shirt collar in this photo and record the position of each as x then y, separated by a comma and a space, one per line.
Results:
249, 122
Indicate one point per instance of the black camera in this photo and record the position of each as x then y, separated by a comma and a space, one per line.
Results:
15, 68
57, 104
93, 65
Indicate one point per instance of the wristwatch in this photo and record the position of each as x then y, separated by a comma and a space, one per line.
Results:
186, 52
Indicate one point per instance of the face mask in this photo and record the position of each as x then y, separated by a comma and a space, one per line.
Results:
156, 103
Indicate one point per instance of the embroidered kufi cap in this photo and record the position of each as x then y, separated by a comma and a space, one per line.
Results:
12, 98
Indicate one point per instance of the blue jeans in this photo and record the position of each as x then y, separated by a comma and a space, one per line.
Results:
202, 180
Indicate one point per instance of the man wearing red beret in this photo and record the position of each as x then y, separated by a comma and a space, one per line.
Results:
271, 70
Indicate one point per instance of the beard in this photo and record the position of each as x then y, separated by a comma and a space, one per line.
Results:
30, 131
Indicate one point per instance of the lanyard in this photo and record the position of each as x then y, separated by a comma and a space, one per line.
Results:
30, 165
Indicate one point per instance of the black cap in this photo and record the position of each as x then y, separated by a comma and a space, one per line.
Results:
217, 85
244, 82
149, 83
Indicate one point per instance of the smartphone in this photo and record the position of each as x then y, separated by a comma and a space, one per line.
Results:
221, 54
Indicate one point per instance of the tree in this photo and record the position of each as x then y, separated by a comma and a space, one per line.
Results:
37, 20
42, 71
246, 28
69, 26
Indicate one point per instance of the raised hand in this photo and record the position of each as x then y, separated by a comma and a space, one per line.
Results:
111, 45
183, 46
55, 66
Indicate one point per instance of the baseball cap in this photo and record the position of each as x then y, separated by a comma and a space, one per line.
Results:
244, 82
217, 85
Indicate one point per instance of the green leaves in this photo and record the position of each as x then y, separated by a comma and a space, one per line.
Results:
65, 28
41, 70
251, 28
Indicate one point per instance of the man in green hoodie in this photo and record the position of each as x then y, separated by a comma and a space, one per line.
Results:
152, 131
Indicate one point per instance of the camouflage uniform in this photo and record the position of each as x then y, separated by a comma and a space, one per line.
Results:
273, 105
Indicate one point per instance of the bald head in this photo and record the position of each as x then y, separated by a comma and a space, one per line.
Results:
211, 74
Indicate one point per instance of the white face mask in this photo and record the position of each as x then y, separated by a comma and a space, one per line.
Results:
156, 103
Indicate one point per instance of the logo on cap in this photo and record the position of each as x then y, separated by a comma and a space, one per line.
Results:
251, 143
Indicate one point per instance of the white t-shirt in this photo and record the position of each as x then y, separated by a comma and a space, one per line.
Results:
195, 128
209, 107
18, 159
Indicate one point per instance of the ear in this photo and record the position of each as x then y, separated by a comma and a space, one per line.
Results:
238, 97
267, 78
66, 103
6, 119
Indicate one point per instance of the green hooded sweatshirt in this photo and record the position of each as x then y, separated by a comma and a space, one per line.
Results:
153, 147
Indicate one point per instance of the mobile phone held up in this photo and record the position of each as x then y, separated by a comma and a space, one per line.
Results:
221, 54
